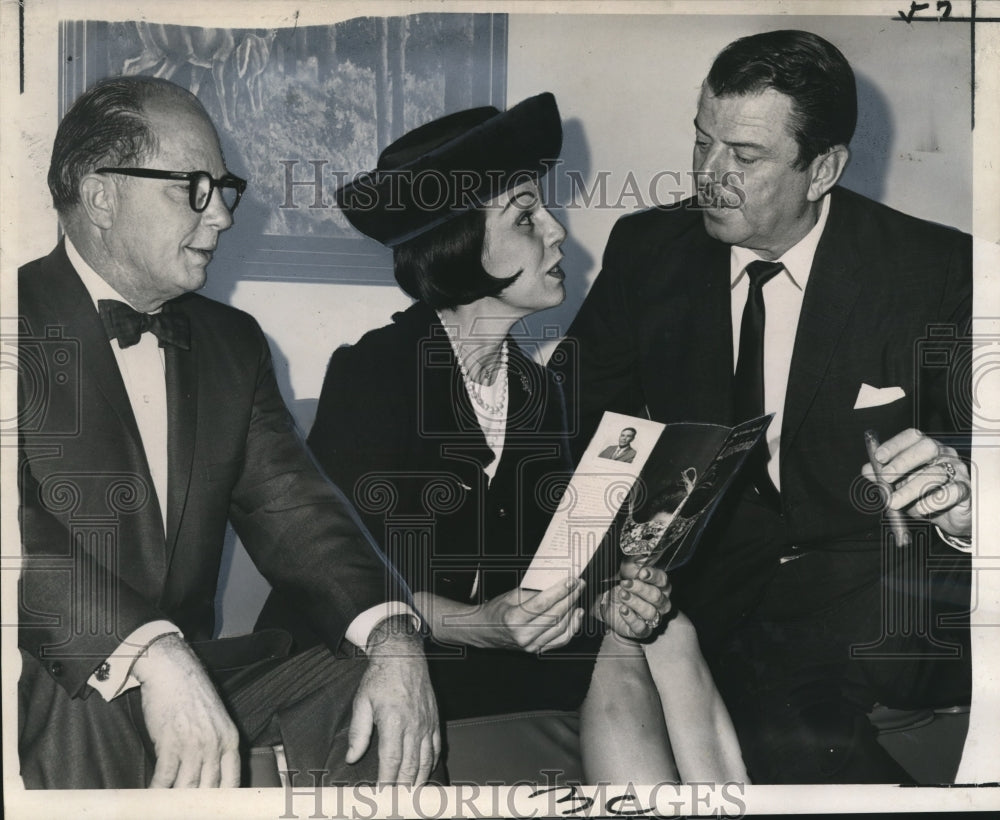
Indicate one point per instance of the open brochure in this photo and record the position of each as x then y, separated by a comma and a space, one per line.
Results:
664, 480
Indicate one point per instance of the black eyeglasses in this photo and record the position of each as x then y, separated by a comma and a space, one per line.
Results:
200, 184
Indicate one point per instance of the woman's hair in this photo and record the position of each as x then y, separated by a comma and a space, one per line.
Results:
443, 267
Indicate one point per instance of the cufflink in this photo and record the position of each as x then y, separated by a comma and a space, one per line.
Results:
103, 672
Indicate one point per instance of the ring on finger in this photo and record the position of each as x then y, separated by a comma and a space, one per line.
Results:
946, 464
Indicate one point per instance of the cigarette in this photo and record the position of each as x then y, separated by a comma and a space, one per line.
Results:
896, 519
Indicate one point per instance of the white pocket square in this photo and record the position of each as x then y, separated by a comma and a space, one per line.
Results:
869, 396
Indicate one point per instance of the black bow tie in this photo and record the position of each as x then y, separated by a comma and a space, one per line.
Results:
126, 324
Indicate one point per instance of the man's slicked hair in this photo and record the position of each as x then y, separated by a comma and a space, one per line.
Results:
107, 126
802, 66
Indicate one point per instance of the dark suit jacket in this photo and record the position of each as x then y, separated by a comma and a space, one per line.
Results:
98, 564
888, 303
395, 428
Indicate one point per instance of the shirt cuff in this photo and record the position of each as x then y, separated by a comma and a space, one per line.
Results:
962, 543
114, 676
361, 627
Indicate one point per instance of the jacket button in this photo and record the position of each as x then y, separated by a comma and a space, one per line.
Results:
56, 669
502, 512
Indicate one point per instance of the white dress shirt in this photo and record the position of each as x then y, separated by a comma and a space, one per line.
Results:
143, 371
782, 306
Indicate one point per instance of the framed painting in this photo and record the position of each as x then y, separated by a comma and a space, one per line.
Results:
300, 110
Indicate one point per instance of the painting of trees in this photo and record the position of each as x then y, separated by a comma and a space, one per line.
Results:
326, 96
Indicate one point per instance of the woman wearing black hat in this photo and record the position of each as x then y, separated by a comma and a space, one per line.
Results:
450, 440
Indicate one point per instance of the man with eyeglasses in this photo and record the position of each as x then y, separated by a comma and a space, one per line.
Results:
148, 417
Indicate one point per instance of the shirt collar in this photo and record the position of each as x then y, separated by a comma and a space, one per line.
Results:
797, 259
97, 286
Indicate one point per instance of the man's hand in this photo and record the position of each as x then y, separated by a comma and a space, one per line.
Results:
530, 621
196, 743
396, 696
928, 480
636, 605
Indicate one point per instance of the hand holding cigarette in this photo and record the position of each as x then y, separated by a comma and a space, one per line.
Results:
894, 517
923, 478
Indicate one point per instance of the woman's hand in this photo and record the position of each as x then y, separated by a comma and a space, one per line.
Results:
530, 621
636, 605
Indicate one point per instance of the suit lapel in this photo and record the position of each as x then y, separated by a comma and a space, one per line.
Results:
713, 356
681, 310
71, 302
445, 409
526, 391
182, 418
701, 339
831, 294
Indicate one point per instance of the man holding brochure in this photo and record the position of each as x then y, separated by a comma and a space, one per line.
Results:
840, 316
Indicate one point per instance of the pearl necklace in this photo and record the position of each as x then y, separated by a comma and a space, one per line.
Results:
474, 388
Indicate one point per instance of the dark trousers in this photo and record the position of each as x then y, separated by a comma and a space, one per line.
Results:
304, 702
833, 634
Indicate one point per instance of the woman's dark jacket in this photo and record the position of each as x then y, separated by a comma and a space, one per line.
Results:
396, 431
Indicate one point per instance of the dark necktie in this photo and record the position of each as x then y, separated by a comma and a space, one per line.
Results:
748, 384
749, 380
124, 323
